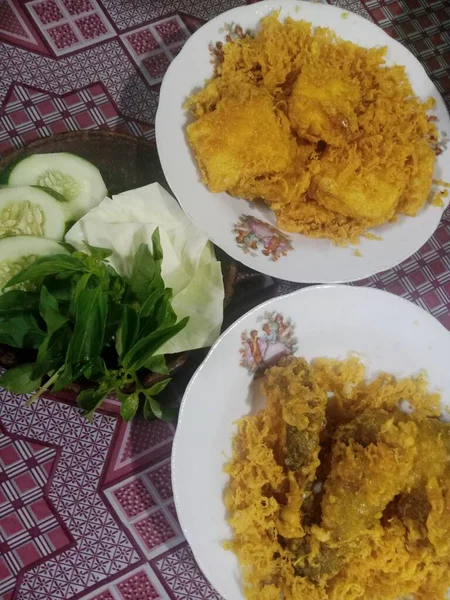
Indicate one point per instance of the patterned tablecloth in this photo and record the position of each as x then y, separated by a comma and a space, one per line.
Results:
86, 509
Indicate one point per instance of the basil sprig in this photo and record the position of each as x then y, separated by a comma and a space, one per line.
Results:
83, 316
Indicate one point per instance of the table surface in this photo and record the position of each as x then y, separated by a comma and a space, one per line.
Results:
86, 509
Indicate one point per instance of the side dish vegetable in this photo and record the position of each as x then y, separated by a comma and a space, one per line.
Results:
86, 321
77, 180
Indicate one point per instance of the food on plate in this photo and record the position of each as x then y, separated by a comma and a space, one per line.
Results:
222, 139
72, 177
333, 140
339, 487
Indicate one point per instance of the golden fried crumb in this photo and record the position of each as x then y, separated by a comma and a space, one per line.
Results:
438, 198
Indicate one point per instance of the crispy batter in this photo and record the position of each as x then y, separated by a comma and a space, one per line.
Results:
222, 138
323, 107
334, 492
320, 129
344, 186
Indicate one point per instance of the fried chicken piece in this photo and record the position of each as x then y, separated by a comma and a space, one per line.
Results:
344, 186
323, 106
420, 167
384, 567
284, 187
243, 138
292, 386
361, 482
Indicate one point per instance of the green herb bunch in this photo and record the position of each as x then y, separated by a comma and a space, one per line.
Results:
86, 321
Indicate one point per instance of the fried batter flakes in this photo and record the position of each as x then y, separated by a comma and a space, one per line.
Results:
336, 494
319, 128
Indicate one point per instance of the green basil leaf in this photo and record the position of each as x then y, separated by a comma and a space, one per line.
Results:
128, 331
16, 301
98, 253
66, 377
52, 351
157, 364
21, 331
142, 273
169, 316
49, 310
91, 399
87, 280
88, 334
162, 315
97, 370
20, 380
96, 267
156, 389
60, 286
158, 281
113, 320
148, 413
47, 265
150, 324
139, 354
129, 406
156, 244
117, 287
162, 309
148, 306
154, 406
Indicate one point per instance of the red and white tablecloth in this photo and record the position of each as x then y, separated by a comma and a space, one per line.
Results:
86, 509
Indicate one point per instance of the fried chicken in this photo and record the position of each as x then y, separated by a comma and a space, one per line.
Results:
344, 186
242, 139
292, 387
284, 188
336, 493
322, 130
360, 484
322, 107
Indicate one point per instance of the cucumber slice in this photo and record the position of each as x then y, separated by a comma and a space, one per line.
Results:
18, 252
68, 174
28, 210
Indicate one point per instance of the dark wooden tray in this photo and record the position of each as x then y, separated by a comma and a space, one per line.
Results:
125, 162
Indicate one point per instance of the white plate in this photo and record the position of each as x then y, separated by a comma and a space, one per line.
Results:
307, 260
389, 333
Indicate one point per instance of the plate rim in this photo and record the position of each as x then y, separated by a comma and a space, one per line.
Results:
321, 288
268, 268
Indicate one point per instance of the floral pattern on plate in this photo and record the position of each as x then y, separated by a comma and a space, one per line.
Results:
252, 234
260, 349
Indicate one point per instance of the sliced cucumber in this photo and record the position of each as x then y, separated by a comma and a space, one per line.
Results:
67, 174
29, 210
18, 252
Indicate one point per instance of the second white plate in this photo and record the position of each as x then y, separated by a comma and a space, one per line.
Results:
388, 333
